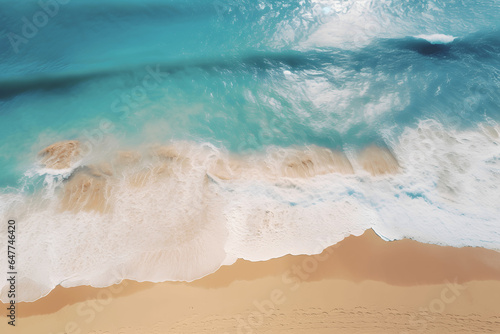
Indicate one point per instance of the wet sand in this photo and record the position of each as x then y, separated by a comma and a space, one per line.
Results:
362, 284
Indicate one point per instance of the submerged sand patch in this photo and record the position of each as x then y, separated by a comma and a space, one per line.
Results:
378, 161
61, 155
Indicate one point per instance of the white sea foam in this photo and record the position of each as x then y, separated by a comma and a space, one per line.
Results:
437, 38
353, 24
181, 211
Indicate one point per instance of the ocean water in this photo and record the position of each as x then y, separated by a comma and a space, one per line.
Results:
247, 95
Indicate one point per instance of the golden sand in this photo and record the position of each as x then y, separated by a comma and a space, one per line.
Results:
101, 170
61, 155
361, 285
378, 161
150, 175
303, 162
127, 157
89, 187
165, 152
315, 161
86, 192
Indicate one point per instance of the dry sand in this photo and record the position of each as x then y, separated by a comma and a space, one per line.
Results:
361, 285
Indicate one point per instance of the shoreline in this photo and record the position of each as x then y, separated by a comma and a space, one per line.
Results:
352, 280
255, 216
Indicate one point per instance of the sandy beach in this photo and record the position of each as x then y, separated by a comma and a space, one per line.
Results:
362, 284
247, 167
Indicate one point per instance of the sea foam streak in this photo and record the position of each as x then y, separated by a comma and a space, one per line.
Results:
180, 211
437, 38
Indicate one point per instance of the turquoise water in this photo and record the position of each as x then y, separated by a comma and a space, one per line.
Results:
239, 74
243, 78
